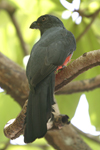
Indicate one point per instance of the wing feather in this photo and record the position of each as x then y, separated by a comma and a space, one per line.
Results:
49, 53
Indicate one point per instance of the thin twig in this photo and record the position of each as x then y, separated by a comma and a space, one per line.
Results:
6, 145
88, 26
11, 10
93, 138
23, 44
82, 14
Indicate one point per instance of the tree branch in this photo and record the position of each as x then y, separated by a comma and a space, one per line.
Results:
10, 75
13, 79
11, 10
6, 145
19, 89
80, 65
89, 136
88, 26
23, 44
66, 139
80, 86
82, 14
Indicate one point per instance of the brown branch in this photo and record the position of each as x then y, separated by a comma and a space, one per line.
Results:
80, 86
66, 138
13, 79
80, 65
11, 11
15, 127
82, 14
10, 73
23, 44
88, 26
89, 136
4, 5
6, 145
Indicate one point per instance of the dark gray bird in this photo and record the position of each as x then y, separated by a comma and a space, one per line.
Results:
55, 45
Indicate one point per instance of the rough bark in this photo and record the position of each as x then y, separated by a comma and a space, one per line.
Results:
13, 80
66, 139
13, 77
80, 65
80, 86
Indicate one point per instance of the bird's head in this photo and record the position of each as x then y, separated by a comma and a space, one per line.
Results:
46, 22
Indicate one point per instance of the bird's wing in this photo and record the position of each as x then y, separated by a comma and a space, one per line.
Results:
37, 67
61, 48
63, 45
49, 55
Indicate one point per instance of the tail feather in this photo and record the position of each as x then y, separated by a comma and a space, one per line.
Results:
50, 95
39, 109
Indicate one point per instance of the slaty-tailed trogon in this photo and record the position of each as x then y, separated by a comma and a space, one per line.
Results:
55, 45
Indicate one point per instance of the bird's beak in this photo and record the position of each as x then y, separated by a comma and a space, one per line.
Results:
34, 25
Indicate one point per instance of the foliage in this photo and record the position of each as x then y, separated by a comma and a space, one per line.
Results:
25, 13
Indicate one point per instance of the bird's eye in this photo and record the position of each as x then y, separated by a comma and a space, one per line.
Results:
44, 18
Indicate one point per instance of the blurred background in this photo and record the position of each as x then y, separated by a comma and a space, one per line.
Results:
82, 18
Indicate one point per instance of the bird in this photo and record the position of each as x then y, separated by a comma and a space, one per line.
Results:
55, 46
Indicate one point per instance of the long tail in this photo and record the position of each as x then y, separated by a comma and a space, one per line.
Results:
39, 109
